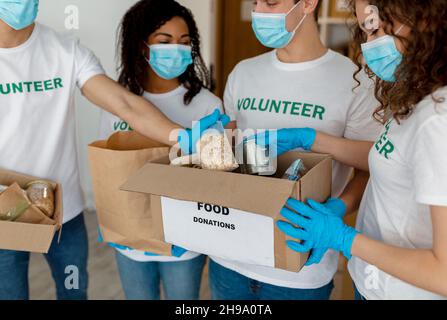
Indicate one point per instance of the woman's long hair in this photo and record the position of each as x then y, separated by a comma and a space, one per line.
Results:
143, 19
424, 66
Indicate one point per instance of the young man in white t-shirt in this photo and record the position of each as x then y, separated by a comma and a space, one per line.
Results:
301, 84
40, 71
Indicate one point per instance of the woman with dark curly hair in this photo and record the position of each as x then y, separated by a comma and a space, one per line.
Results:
161, 61
399, 250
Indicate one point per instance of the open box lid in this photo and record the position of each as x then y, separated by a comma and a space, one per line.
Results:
261, 195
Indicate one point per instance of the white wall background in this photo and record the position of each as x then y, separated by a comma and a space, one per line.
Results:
98, 22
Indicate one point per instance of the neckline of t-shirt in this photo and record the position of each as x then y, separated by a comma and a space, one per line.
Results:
301, 65
24, 45
177, 91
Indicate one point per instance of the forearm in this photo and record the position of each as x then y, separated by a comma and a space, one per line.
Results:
349, 152
353, 193
139, 113
421, 268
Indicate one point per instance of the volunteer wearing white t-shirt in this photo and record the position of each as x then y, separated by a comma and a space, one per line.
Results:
301, 84
40, 71
399, 250
182, 95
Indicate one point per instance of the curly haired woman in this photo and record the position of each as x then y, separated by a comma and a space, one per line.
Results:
399, 248
161, 61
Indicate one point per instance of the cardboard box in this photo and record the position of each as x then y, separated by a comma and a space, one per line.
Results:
29, 237
231, 215
125, 218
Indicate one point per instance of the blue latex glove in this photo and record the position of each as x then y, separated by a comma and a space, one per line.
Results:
176, 251
320, 228
287, 140
188, 138
338, 208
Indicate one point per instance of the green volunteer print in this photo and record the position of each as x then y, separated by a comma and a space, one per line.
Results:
121, 126
292, 108
15, 88
383, 145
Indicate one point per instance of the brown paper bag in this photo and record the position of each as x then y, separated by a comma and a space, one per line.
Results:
15, 201
125, 218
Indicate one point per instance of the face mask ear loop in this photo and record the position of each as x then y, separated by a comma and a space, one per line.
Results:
293, 8
399, 30
301, 22
144, 56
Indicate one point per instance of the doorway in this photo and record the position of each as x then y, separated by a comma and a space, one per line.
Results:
235, 39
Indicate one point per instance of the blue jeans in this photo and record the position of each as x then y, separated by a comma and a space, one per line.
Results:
358, 295
71, 252
141, 280
229, 285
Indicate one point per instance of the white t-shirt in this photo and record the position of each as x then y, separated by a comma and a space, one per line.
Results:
38, 80
408, 175
173, 106
265, 93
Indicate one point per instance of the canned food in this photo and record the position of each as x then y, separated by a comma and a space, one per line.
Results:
41, 194
256, 159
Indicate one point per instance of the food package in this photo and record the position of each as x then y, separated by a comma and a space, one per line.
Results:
215, 150
295, 171
15, 206
41, 194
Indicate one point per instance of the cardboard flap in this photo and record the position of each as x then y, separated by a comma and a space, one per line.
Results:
243, 192
130, 141
318, 189
26, 237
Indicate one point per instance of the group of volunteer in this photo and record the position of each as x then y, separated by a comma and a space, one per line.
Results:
383, 118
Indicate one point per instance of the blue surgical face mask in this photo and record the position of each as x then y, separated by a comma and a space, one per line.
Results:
19, 14
382, 57
271, 28
170, 61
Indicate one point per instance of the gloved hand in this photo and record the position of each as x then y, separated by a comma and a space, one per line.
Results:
188, 138
319, 228
338, 208
286, 140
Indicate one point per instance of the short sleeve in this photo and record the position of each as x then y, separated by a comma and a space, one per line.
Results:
229, 101
428, 160
206, 102
214, 103
87, 65
361, 124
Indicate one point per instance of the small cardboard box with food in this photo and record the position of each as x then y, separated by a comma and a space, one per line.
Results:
30, 212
